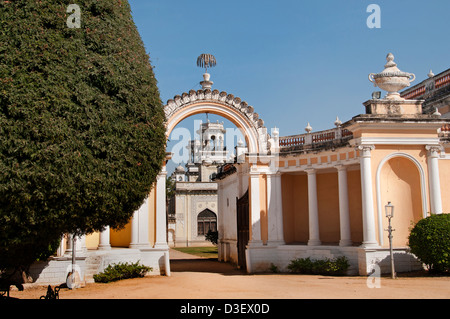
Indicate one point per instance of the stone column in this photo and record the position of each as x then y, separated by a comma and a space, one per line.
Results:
369, 238
161, 217
139, 227
104, 243
255, 211
314, 238
80, 245
344, 213
134, 230
275, 210
433, 179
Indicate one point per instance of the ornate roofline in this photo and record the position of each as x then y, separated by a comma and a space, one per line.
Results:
229, 101
185, 99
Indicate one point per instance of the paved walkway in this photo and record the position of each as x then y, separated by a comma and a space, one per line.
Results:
182, 262
175, 255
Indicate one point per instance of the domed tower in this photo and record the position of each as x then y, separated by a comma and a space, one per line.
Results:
179, 174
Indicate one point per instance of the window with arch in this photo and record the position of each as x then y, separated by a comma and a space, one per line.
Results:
206, 221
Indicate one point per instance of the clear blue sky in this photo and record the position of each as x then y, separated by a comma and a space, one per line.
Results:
294, 61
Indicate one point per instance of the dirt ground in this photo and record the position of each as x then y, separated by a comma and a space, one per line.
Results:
200, 278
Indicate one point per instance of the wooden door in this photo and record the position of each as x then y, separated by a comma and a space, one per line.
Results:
242, 228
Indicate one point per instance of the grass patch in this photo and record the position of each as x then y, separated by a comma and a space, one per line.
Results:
206, 252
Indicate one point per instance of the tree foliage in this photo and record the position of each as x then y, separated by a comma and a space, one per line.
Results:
81, 122
429, 240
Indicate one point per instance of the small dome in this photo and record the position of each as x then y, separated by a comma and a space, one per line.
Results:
180, 169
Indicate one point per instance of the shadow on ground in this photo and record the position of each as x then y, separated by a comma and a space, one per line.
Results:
210, 265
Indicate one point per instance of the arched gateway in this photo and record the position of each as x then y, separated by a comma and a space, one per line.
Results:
318, 195
148, 226
222, 104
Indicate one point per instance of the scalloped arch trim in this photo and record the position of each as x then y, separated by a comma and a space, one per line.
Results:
229, 106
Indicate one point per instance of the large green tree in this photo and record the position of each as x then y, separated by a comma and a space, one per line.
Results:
81, 122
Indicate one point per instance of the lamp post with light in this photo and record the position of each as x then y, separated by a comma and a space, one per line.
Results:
389, 209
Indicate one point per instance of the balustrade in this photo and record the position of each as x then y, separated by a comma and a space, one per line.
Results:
333, 135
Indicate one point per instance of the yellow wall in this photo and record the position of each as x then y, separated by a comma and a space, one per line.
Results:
295, 208
400, 185
444, 174
328, 205
379, 154
355, 205
92, 240
122, 237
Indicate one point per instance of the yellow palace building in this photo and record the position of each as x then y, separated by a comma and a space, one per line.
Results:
317, 194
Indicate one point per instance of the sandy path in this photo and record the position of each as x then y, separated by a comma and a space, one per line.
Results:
199, 278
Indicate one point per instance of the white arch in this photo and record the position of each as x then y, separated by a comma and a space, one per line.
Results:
196, 108
377, 182
223, 104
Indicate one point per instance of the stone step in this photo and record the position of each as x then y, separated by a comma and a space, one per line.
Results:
92, 265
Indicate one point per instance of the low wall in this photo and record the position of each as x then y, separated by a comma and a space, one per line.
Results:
362, 261
54, 271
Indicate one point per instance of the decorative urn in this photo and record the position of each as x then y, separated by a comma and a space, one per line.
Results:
391, 79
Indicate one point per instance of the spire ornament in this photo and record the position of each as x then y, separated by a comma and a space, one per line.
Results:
206, 61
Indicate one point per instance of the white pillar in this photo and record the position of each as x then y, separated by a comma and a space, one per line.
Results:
255, 211
139, 227
161, 217
80, 245
368, 217
344, 213
314, 237
134, 230
275, 210
62, 247
104, 243
433, 179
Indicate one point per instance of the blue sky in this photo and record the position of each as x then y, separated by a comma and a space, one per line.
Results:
294, 61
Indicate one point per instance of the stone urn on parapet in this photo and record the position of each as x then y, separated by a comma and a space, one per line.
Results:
391, 79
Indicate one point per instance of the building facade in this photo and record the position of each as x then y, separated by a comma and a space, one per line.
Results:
317, 194
325, 195
192, 211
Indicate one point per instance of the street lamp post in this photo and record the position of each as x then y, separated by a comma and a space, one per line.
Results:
389, 208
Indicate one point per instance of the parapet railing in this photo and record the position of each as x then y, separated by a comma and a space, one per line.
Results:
314, 140
420, 89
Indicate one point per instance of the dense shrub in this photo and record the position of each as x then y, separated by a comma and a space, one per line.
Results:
212, 236
429, 241
331, 267
82, 134
121, 271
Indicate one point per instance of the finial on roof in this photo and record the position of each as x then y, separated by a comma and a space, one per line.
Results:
308, 128
338, 122
430, 74
206, 61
